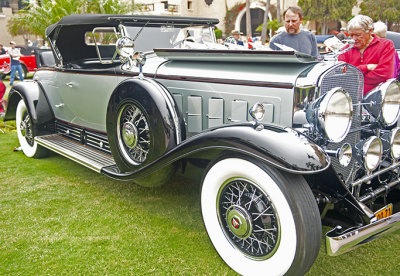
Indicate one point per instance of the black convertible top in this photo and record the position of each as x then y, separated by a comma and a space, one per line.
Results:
67, 36
115, 19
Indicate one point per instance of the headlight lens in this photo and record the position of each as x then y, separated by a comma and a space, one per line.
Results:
334, 113
383, 102
395, 143
391, 104
372, 153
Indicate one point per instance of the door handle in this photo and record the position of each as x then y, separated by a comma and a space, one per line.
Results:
69, 84
59, 105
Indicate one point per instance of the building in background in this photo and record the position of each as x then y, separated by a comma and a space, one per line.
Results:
7, 9
215, 9
236, 9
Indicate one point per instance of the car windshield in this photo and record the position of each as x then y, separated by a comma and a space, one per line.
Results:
168, 36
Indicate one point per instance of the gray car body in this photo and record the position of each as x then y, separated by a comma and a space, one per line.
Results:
75, 90
203, 97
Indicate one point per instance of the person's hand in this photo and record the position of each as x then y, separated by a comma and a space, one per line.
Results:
371, 66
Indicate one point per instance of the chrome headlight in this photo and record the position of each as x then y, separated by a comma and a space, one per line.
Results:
383, 102
125, 47
332, 114
395, 143
257, 112
370, 152
391, 142
345, 154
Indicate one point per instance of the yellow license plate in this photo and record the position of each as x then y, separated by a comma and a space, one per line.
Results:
384, 212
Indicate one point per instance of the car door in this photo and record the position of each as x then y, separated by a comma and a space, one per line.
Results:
86, 96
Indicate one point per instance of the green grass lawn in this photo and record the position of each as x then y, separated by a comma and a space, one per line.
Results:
57, 217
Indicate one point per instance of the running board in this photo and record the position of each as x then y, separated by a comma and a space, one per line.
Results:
84, 155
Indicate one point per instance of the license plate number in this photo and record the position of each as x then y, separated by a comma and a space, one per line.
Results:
384, 212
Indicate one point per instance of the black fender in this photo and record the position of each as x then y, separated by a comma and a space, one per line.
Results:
37, 104
165, 120
283, 148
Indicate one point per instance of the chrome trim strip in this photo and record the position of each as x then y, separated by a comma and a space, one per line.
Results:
339, 244
89, 158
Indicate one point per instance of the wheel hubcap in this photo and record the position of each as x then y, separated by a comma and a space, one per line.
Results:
133, 134
239, 222
22, 128
130, 135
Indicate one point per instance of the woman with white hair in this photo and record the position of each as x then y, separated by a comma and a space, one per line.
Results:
371, 54
380, 29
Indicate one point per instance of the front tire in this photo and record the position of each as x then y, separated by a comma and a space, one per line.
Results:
260, 220
25, 133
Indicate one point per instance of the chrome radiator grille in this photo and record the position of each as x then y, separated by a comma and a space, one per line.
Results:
351, 79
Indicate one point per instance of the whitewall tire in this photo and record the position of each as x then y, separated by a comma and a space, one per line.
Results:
260, 221
25, 132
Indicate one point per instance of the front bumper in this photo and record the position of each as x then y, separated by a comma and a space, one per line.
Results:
337, 244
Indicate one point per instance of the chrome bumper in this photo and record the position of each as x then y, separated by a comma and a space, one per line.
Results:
339, 244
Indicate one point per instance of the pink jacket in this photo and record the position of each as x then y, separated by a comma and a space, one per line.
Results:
380, 51
396, 65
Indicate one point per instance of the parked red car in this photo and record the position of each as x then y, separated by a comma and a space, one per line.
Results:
28, 61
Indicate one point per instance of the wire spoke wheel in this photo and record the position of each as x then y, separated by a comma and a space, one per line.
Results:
248, 218
133, 134
26, 128
260, 220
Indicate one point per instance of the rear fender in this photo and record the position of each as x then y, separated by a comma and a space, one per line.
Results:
37, 104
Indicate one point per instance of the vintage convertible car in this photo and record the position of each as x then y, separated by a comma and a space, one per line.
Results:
284, 141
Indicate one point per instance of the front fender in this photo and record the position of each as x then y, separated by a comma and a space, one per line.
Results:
164, 118
283, 148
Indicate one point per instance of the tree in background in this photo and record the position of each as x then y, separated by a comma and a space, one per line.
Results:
231, 16
15, 28
36, 19
387, 11
264, 25
271, 26
327, 10
278, 10
248, 19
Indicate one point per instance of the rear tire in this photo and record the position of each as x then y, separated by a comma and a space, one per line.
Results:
25, 133
260, 220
